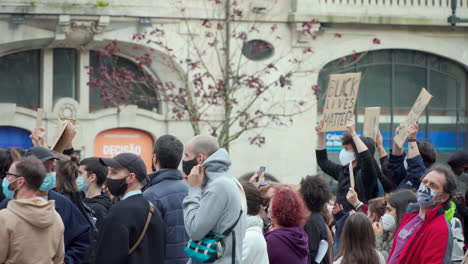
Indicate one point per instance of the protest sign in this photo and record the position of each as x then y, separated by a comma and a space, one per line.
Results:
351, 175
65, 133
421, 102
371, 121
341, 98
40, 115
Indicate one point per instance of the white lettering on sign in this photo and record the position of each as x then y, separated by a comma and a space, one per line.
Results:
333, 140
113, 150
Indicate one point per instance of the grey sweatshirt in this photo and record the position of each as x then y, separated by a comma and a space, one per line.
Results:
216, 206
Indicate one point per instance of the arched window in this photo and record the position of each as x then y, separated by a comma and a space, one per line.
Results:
392, 79
20, 75
144, 96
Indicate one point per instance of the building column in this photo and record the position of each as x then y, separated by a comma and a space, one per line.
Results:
83, 79
47, 80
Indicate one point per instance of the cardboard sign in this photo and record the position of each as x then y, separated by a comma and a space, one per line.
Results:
340, 101
351, 175
65, 133
413, 116
40, 115
371, 121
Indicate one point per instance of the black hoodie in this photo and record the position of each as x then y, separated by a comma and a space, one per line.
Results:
100, 205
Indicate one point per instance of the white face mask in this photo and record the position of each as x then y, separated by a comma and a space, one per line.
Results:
346, 157
388, 222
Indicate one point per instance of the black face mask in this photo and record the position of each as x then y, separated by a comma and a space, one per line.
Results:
117, 187
187, 166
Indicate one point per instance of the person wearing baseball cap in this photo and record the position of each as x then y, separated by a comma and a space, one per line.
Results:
133, 231
77, 235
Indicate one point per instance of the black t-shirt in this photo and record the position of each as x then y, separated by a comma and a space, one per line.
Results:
316, 230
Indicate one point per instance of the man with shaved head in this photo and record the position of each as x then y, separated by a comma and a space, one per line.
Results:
214, 202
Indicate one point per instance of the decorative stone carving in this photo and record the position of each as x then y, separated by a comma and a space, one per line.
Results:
75, 33
304, 33
66, 108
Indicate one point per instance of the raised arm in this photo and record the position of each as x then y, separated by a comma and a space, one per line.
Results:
323, 162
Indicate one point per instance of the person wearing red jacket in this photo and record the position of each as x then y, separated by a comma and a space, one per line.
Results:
424, 236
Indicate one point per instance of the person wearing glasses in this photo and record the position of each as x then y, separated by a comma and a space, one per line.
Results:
30, 228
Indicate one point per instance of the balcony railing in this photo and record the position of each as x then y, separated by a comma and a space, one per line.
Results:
405, 12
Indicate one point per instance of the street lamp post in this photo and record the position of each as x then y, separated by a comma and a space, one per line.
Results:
453, 19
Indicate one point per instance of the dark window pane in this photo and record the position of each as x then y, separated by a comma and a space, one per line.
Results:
257, 49
65, 73
95, 102
375, 88
20, 75
408, 83
444, 91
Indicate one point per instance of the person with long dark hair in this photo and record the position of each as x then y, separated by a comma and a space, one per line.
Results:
287, 242
396, 204
358, 242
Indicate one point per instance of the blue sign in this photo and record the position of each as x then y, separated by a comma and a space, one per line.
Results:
14, 137
442, 141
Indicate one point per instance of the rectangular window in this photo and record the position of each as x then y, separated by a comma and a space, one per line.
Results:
20, 75
65, 72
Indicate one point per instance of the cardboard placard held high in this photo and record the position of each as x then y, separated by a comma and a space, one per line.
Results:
341, 98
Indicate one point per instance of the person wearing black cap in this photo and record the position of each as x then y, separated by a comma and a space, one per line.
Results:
77, 235
133, 231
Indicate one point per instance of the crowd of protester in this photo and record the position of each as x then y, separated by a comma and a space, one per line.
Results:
401, 207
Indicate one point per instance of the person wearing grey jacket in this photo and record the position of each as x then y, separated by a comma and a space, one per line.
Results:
214, 201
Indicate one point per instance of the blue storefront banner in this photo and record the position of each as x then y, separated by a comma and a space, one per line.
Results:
14, 137
442, 141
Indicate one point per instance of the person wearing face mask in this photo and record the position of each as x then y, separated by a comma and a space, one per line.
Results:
216, 201
77, 235
94, 175
424, 235
166, 190
364, 166
396, 204
31, 230
133, 231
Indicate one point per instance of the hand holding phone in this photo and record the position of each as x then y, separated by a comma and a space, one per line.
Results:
260, 173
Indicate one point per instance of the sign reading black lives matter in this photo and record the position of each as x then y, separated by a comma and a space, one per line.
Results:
341, 98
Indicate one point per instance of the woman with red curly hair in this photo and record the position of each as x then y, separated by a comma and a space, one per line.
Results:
287, 242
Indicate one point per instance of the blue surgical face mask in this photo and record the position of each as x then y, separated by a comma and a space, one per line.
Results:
81, 184
346, 156
10, 194
426, 196
49, 182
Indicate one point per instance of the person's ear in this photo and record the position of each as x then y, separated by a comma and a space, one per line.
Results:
132, 178
444, 197
155, 159
92, 177
201, 158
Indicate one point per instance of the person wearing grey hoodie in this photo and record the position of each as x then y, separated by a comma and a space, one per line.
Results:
31, 230
214, 202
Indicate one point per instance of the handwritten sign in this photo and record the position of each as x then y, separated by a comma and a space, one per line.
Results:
421, 102
371, 121
340, 101
40, 115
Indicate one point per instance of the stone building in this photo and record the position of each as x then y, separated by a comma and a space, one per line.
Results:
399, 46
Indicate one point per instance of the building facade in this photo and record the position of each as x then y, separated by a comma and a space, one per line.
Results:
400, 46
